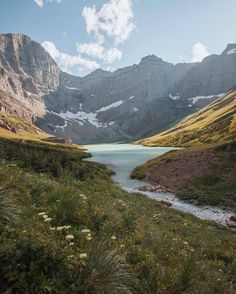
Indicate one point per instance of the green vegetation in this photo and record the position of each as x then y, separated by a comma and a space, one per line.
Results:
73, 231
213, 124
216, 183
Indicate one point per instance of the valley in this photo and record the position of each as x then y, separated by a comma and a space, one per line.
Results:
117, 181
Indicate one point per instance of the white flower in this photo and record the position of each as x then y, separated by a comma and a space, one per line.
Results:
48, 220
71, 244
83, 255
52, 229
60, 229
24, 231
45, 216
70, 237
67, 227
85, 231
41, 213
88, 238
113, 237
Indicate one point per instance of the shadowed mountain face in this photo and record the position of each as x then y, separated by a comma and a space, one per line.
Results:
127, 104
214, 123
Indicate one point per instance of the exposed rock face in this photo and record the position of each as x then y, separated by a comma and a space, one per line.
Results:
130, 103
214, 75
27, 73
123, 105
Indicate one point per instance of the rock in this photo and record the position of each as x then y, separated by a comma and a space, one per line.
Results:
165, 202
230, 223
195, 202
233, 218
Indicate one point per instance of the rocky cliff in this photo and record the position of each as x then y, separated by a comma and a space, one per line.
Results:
104, 106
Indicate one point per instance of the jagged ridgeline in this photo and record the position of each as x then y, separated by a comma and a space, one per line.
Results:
128, 104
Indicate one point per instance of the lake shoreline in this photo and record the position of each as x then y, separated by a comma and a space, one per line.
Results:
123, 158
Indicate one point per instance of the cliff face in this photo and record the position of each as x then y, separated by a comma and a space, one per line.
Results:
214, 75
27, 73
128, 104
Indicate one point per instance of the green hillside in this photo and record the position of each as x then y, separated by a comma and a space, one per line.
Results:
212, 124
65, 228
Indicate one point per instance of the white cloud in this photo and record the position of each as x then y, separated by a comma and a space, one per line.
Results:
115, 19
98, 51
199, 52
66, 61
42, 2
90, 49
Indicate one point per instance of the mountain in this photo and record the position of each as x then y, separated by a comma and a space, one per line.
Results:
207, 80
213, 124
27, 73
124, 105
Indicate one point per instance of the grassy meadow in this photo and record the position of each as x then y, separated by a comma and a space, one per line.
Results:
66, 228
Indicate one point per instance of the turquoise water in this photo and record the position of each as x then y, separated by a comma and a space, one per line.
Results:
123, 158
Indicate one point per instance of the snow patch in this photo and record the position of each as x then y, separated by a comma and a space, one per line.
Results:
132, 97
176, 97
71, 88
113, 105
195, 99
232, 51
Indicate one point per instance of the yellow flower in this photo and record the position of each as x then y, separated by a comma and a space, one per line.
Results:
122, 246
113, 237
70, 237
83, 255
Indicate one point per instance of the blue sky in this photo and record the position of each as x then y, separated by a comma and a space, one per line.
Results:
82, 35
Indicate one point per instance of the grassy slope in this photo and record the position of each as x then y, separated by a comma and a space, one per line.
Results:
164, 251
214, 123
205, 173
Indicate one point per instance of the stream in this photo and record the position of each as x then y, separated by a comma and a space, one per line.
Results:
123, 158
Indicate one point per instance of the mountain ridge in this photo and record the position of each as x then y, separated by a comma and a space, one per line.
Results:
102, 106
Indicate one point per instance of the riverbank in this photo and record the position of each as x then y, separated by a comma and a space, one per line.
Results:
202, 175
76, 223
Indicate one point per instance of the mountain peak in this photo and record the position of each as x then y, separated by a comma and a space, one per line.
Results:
230, 49
150, 58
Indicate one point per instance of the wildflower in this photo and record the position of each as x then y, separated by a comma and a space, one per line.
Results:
71, 244
48, 220
60, 228
186, 243
122, 246
83, 196
113, 237
45, 216
89, 237
67, 227
83, 255
24, 231
52, 229
41, 213
70, 237
85, 231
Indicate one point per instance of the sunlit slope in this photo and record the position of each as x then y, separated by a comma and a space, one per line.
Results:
214, 123
15, 127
